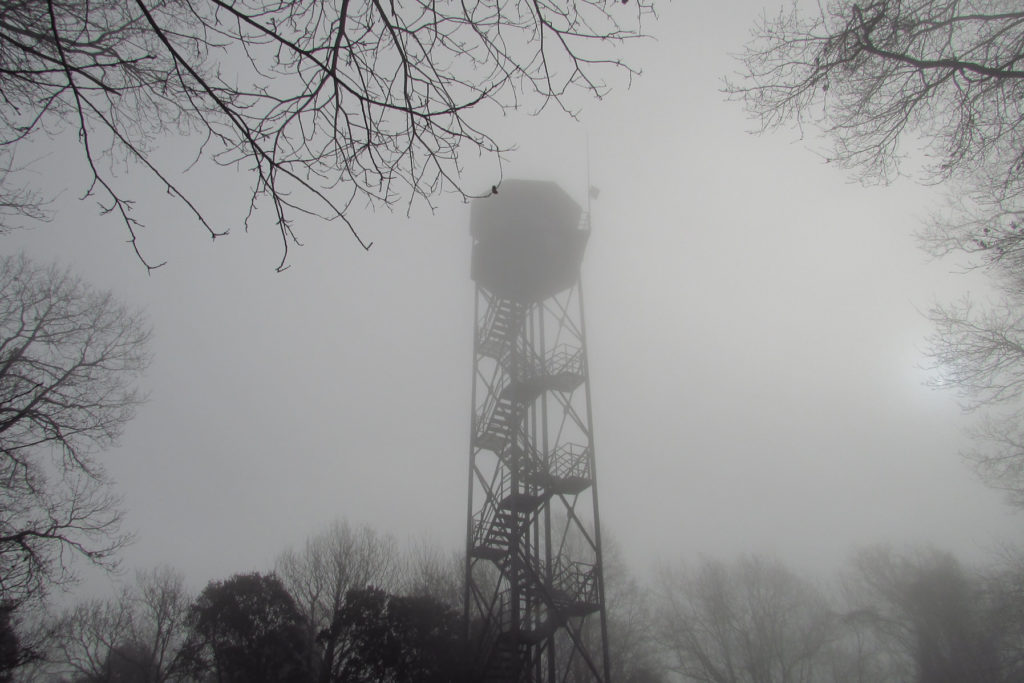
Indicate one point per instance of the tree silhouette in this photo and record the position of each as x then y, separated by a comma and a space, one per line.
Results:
138, 635
889, 81
10, 649
247, 629
399, 639
750, 621
319, 576
325, 103
932, 614
69, 360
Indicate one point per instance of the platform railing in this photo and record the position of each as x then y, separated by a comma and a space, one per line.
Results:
562, 359
576, 579
570, 461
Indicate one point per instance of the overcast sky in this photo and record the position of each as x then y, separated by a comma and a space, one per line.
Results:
754, 325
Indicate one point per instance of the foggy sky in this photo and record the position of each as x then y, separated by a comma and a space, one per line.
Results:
754, 328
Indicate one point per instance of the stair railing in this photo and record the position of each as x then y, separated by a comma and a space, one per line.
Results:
482, 420
497, 309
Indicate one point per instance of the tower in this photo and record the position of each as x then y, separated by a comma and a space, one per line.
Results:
534, 589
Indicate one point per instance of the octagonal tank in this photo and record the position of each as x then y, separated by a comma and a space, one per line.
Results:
528, 240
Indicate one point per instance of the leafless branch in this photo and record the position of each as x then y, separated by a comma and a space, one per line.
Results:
323, 102
69, 357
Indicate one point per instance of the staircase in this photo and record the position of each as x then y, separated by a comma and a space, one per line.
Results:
501, 327
525, 480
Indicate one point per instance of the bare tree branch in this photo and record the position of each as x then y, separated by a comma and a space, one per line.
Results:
69, 358
892, 81
324, 102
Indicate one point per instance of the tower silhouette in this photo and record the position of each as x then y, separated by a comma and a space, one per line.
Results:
534, 588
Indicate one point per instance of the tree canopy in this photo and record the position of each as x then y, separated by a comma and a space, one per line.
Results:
910, 615
750, 621
882, 78
325, 103
932, 619
248, 629
323, 573
399, 639
137, 636
934, 88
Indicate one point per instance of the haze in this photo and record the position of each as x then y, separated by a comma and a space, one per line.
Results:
754, 327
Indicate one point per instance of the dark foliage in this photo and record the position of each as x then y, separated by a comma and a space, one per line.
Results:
10, 653
399, 639
19, 647
125, 663
247, 629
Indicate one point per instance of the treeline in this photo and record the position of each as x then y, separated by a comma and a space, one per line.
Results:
892, 617
351, 605
346, 606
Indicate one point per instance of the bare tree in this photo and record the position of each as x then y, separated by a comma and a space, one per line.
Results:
69, 360
1003, 593
873, 74
139, 635
749, 621
325, 103
933, 621
632, 642
978, 352
631, 632
430, 571
895, 81
87, 634
321, 574
888, 81
161, 604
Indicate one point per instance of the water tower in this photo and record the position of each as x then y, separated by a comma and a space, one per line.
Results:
534, 591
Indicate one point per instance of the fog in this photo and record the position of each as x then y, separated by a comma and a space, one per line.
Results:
754, 329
